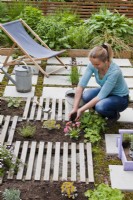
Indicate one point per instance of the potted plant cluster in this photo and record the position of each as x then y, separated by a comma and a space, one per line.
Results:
125, 148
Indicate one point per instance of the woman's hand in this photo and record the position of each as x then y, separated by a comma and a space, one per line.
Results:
73, 115
79, 113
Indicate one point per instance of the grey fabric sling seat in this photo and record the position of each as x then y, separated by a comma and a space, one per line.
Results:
32, 50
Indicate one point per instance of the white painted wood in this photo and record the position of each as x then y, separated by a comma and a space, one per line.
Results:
1, 119
66, 111
39, 161
27, 107
65, 161
53, 109
5, 129
60, 110
48, 161
56, 162
82, 162
31, 161
73, 161
12, 130
90, 163
47, 105
40, 109
23, 159
33, 109
15, 152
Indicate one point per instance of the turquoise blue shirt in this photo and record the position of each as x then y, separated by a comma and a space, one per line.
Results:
113, 82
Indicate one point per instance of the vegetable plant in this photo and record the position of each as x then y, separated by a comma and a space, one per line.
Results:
50, 124
92, 124
69, 190
7, 159
27, 131
14, 102
104, 192
113, 28
11, 194
74, 75
72, 129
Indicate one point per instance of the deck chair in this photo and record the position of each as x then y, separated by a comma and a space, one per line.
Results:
32, 50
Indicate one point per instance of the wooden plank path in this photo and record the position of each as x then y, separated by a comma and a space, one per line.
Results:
48, 161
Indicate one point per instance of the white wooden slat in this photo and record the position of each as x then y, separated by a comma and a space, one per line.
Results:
12, 130
48, 161
4, 129
33, 109
65, 161
56, 162
53, 111
73, 161
90, 163
82, 162
31, 161
23, 159
15, 152
39, 161
1, 119
40, 108
47, 105
66, 111
60, 108
27, 107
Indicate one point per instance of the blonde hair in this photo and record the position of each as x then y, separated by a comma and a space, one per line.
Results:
103, 53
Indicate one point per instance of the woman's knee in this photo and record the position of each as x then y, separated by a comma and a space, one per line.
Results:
89, 94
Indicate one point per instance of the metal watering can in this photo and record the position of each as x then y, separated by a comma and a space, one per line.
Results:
23, 78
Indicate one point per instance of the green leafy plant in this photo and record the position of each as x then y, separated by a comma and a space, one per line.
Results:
27, 131
113, 28
12, 11
31, 16
51, 124
92, 135
11, 194
72, 129
69, 190
74, 75
92, 124
14, 102
104, 192
7, 159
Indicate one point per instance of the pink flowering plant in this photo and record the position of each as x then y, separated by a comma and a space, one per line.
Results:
72, 129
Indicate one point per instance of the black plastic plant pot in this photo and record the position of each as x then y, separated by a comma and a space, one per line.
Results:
73, 117
125, 144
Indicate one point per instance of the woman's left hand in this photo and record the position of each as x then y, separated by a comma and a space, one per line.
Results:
79, 113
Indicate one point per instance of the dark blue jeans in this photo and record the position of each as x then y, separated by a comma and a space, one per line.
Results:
108, 107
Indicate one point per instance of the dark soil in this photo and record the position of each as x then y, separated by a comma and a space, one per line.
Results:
5, 110
41, 190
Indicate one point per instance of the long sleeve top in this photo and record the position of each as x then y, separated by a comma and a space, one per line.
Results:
113, 82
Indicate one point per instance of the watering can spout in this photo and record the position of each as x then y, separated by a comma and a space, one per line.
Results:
8, 76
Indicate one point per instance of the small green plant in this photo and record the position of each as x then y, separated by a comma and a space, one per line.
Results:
11, 194
91, 135
104, 192
69, 190
72, 129
74, 75
51, 124
92, 124
13, 102
7, 159
27, 131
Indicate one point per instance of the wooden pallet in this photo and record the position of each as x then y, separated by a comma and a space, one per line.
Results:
34, 109
8, 126
48, 161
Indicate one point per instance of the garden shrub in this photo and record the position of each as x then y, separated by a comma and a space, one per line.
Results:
52, 33
31, 16
113, 28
